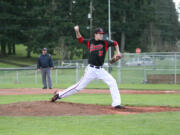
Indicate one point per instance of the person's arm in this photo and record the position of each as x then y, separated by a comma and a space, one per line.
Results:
114, 44
76, 28
118, 53
78, 35
38, 64
51, 64
80, 38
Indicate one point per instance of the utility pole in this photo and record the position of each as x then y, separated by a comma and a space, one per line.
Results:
123, 36
109, 30
91, 19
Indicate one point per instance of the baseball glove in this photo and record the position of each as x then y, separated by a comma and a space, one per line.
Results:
114, 59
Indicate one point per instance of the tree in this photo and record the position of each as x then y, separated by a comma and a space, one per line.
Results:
147, 24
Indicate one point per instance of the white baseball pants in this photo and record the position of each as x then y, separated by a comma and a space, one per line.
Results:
92, 73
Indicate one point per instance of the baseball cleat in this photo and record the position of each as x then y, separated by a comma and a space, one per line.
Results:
55, 97
120, 107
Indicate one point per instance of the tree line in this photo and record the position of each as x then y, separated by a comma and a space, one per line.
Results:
151, 25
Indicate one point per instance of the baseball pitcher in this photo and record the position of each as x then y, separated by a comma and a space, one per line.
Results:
97, 50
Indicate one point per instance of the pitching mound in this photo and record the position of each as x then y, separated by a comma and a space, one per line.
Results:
46, 108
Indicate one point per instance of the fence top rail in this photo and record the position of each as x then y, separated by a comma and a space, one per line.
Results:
34, 68
157, 53
161, 69
151, 55
74, 67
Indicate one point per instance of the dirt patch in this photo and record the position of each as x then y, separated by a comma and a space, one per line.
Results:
31, 91
46, 108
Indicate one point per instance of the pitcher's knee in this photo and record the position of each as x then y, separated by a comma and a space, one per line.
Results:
112, 82
78, 89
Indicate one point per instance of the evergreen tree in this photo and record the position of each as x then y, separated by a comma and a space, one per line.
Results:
148, 24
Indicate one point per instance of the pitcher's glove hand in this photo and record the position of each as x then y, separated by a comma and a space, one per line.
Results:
114, 59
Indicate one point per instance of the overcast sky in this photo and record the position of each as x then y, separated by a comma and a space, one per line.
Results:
177, 2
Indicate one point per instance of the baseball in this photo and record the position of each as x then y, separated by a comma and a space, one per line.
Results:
76, 27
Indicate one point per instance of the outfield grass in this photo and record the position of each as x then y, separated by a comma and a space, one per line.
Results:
66, 77
21, 58
141, 124
4, 65
132, 77
129, 74
95, 86
172, 100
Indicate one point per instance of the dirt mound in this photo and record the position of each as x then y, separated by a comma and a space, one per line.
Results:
46, 108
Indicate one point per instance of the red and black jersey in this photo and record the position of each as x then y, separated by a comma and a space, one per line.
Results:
97, 50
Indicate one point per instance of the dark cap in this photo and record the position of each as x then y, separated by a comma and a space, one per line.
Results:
99, 31
44, 49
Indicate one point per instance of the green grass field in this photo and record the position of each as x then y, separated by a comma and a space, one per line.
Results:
172, 100
63, 78
95, 86
137, 124
20, 58
141, 124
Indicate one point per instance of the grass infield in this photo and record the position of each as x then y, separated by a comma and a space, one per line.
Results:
172, 100
98, 86
139, 124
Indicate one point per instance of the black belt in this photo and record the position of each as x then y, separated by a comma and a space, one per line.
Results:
98, 67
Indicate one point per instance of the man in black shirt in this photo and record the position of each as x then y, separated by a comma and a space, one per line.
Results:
97, 50
45, 65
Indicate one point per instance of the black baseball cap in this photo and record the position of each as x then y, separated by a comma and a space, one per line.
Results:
44, 49
99, 31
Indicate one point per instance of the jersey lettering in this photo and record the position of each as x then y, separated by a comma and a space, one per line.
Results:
95, 47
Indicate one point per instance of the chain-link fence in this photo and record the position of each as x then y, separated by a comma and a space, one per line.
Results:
133, 68
151, 68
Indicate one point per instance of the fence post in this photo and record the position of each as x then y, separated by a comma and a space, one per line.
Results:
175, 68
5, 75
56, 76
145, 79
77, 72
59, 62
119, 71
36, 77
17, 77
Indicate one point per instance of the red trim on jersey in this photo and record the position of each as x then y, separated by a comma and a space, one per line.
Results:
88, 43
81, 39
115, 43
106, 46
